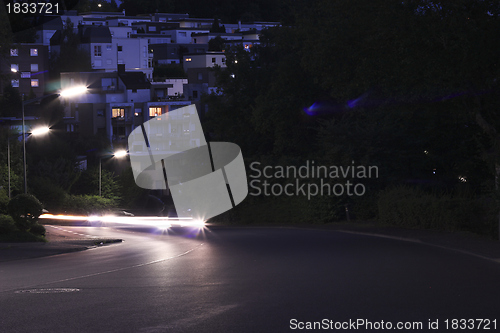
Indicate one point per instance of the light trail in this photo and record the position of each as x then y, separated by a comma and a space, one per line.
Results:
154, 221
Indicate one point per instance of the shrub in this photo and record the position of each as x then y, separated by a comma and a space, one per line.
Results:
7, 224
87, 204
38, 229
411, 207
25, 210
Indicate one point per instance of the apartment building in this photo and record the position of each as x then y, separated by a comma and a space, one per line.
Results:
26, 66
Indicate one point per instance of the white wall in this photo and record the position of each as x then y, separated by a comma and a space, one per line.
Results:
203, 60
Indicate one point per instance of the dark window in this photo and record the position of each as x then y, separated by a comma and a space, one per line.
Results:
195, 93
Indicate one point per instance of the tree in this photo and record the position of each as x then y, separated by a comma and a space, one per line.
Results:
216, 27
88, 184
25, 210
10, 102
71, 57
217, 44
168, 71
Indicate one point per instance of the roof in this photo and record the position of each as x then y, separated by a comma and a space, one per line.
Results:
135, 80
49, 23
96, 34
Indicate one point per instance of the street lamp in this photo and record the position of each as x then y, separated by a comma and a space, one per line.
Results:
36, 132
118, 154
70, 92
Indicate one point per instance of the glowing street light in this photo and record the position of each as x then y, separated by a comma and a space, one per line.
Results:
120, 153
36, 132
73, 91
70, 92
40, 131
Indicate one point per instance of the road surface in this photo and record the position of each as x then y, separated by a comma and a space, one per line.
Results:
247, 280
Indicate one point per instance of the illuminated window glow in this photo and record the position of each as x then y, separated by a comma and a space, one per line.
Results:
14, 53
118, 112
34, 82
33, 52
14, 83
34, 67
14, 68
155, 111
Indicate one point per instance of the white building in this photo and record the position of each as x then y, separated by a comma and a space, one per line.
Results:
115, 103
204, 60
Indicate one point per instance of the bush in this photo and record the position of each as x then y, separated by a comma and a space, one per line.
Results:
7, 225
87, 204
414, 208
25, 210
38, 229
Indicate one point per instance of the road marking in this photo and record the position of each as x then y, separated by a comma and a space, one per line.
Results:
47, 291
76, 233
113, 270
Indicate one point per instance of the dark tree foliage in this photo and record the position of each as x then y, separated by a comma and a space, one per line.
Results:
216, 27
10, 102
168, 71
71, 58
25, 210
408, 86
226, 10
216, 44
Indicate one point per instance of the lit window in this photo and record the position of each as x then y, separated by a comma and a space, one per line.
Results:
25, 75
34, 67
13, 53
97, 50
33, 52
14, 68
14, 83
118, 112
34, 82
154, 111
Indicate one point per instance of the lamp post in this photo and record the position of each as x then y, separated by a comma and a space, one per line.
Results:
35, 132
73, 91
118, 154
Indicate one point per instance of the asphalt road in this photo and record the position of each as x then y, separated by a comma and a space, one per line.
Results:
247, 280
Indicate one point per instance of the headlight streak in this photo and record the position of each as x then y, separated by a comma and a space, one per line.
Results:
152, 221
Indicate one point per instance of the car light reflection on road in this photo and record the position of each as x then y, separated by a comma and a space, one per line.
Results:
154, 221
